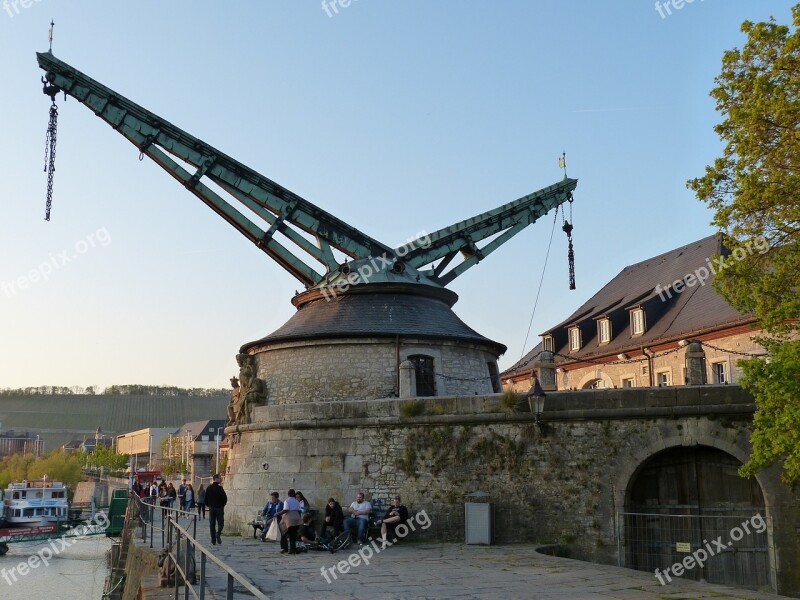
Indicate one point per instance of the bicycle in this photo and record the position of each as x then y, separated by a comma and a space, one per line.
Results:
340, 542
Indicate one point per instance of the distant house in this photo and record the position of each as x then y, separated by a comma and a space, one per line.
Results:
12, 442
198, 444
635, 331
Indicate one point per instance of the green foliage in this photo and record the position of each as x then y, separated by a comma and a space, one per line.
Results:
412, 408
57, 465
107, 458
510, 401
776, 387
753, 188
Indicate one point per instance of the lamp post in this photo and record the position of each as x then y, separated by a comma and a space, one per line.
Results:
217, 468
536, 399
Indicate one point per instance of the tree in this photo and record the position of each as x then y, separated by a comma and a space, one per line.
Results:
754, 188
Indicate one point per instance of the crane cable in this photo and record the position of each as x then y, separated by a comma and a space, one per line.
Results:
541, 280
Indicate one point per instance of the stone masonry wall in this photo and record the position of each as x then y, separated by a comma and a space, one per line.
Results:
562, 484
364, 369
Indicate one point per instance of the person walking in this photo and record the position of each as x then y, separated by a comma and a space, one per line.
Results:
201, 501
290, 523
188, 498
182, 493
216, 499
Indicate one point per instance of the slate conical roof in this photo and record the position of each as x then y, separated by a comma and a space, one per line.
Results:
377, 310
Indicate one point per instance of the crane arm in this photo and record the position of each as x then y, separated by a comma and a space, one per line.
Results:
279, 207
463, 237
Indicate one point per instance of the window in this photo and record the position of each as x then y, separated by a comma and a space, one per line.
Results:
663, 379
627, 382
574, 339
424, 374
494, 377
719, 371
637, 322
604, 331
547, 343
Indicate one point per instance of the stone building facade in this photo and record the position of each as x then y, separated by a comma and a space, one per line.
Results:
635, 331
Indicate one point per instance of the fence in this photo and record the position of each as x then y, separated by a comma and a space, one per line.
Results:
182, 550
726, 549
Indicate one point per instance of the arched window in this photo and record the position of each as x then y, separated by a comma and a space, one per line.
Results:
424, 374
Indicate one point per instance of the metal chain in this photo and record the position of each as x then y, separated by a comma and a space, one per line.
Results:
50, 148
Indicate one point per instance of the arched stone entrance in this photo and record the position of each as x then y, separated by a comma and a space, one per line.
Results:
689, 514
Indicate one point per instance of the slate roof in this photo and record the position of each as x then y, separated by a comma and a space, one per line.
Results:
669, 315
378, 313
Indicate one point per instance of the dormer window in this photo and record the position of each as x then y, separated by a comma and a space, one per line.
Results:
603, 331
547, 343
637, 322
574, 339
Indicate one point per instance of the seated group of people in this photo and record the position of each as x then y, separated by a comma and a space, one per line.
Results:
333, 522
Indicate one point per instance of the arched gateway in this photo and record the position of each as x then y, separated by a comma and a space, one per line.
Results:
689, 514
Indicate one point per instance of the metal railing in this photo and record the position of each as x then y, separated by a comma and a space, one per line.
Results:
186, 548
725, 548
149, 514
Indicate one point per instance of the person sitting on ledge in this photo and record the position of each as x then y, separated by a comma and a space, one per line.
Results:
395, 515
270, 511
359, 517
334, 517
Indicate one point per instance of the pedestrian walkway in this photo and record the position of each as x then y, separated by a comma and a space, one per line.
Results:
409, 570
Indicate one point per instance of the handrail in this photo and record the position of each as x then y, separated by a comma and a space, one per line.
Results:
172, 530
205, 555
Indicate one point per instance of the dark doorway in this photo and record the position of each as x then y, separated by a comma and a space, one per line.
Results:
424, 374
690, 502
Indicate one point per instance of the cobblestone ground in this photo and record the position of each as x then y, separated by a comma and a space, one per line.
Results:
409, 570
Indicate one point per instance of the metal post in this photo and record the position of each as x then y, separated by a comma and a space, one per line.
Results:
229, 591
202, 576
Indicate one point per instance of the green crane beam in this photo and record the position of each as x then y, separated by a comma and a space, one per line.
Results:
313, 230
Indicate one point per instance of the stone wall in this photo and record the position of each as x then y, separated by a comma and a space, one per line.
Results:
562, 483
364, 369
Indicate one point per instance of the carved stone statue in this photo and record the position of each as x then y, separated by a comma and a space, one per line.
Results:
233, 405
248, 390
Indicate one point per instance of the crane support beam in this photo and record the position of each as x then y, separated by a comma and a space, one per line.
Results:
194, 164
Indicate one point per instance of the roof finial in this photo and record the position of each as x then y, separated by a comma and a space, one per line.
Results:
50, 35
562, 163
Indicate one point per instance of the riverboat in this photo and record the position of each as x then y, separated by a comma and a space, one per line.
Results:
34, 502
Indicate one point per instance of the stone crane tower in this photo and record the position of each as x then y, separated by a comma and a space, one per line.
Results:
374, 321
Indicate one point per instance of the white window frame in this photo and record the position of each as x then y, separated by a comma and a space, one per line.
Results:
547, 343
574, 339
630, 378
726, 372
603, 326
668, 375
637, 316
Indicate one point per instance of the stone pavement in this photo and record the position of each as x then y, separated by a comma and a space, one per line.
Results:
410, 570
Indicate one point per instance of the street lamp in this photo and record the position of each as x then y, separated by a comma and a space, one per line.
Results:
536, 400
217, 469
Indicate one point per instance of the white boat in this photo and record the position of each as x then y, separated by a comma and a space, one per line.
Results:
34, 502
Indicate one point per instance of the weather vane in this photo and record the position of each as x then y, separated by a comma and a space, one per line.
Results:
50, 35
562, 163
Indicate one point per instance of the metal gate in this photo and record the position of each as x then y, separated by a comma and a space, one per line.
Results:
725, 549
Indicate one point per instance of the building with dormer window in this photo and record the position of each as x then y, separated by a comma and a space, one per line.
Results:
635, 331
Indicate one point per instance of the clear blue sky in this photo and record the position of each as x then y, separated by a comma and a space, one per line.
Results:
397, 117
